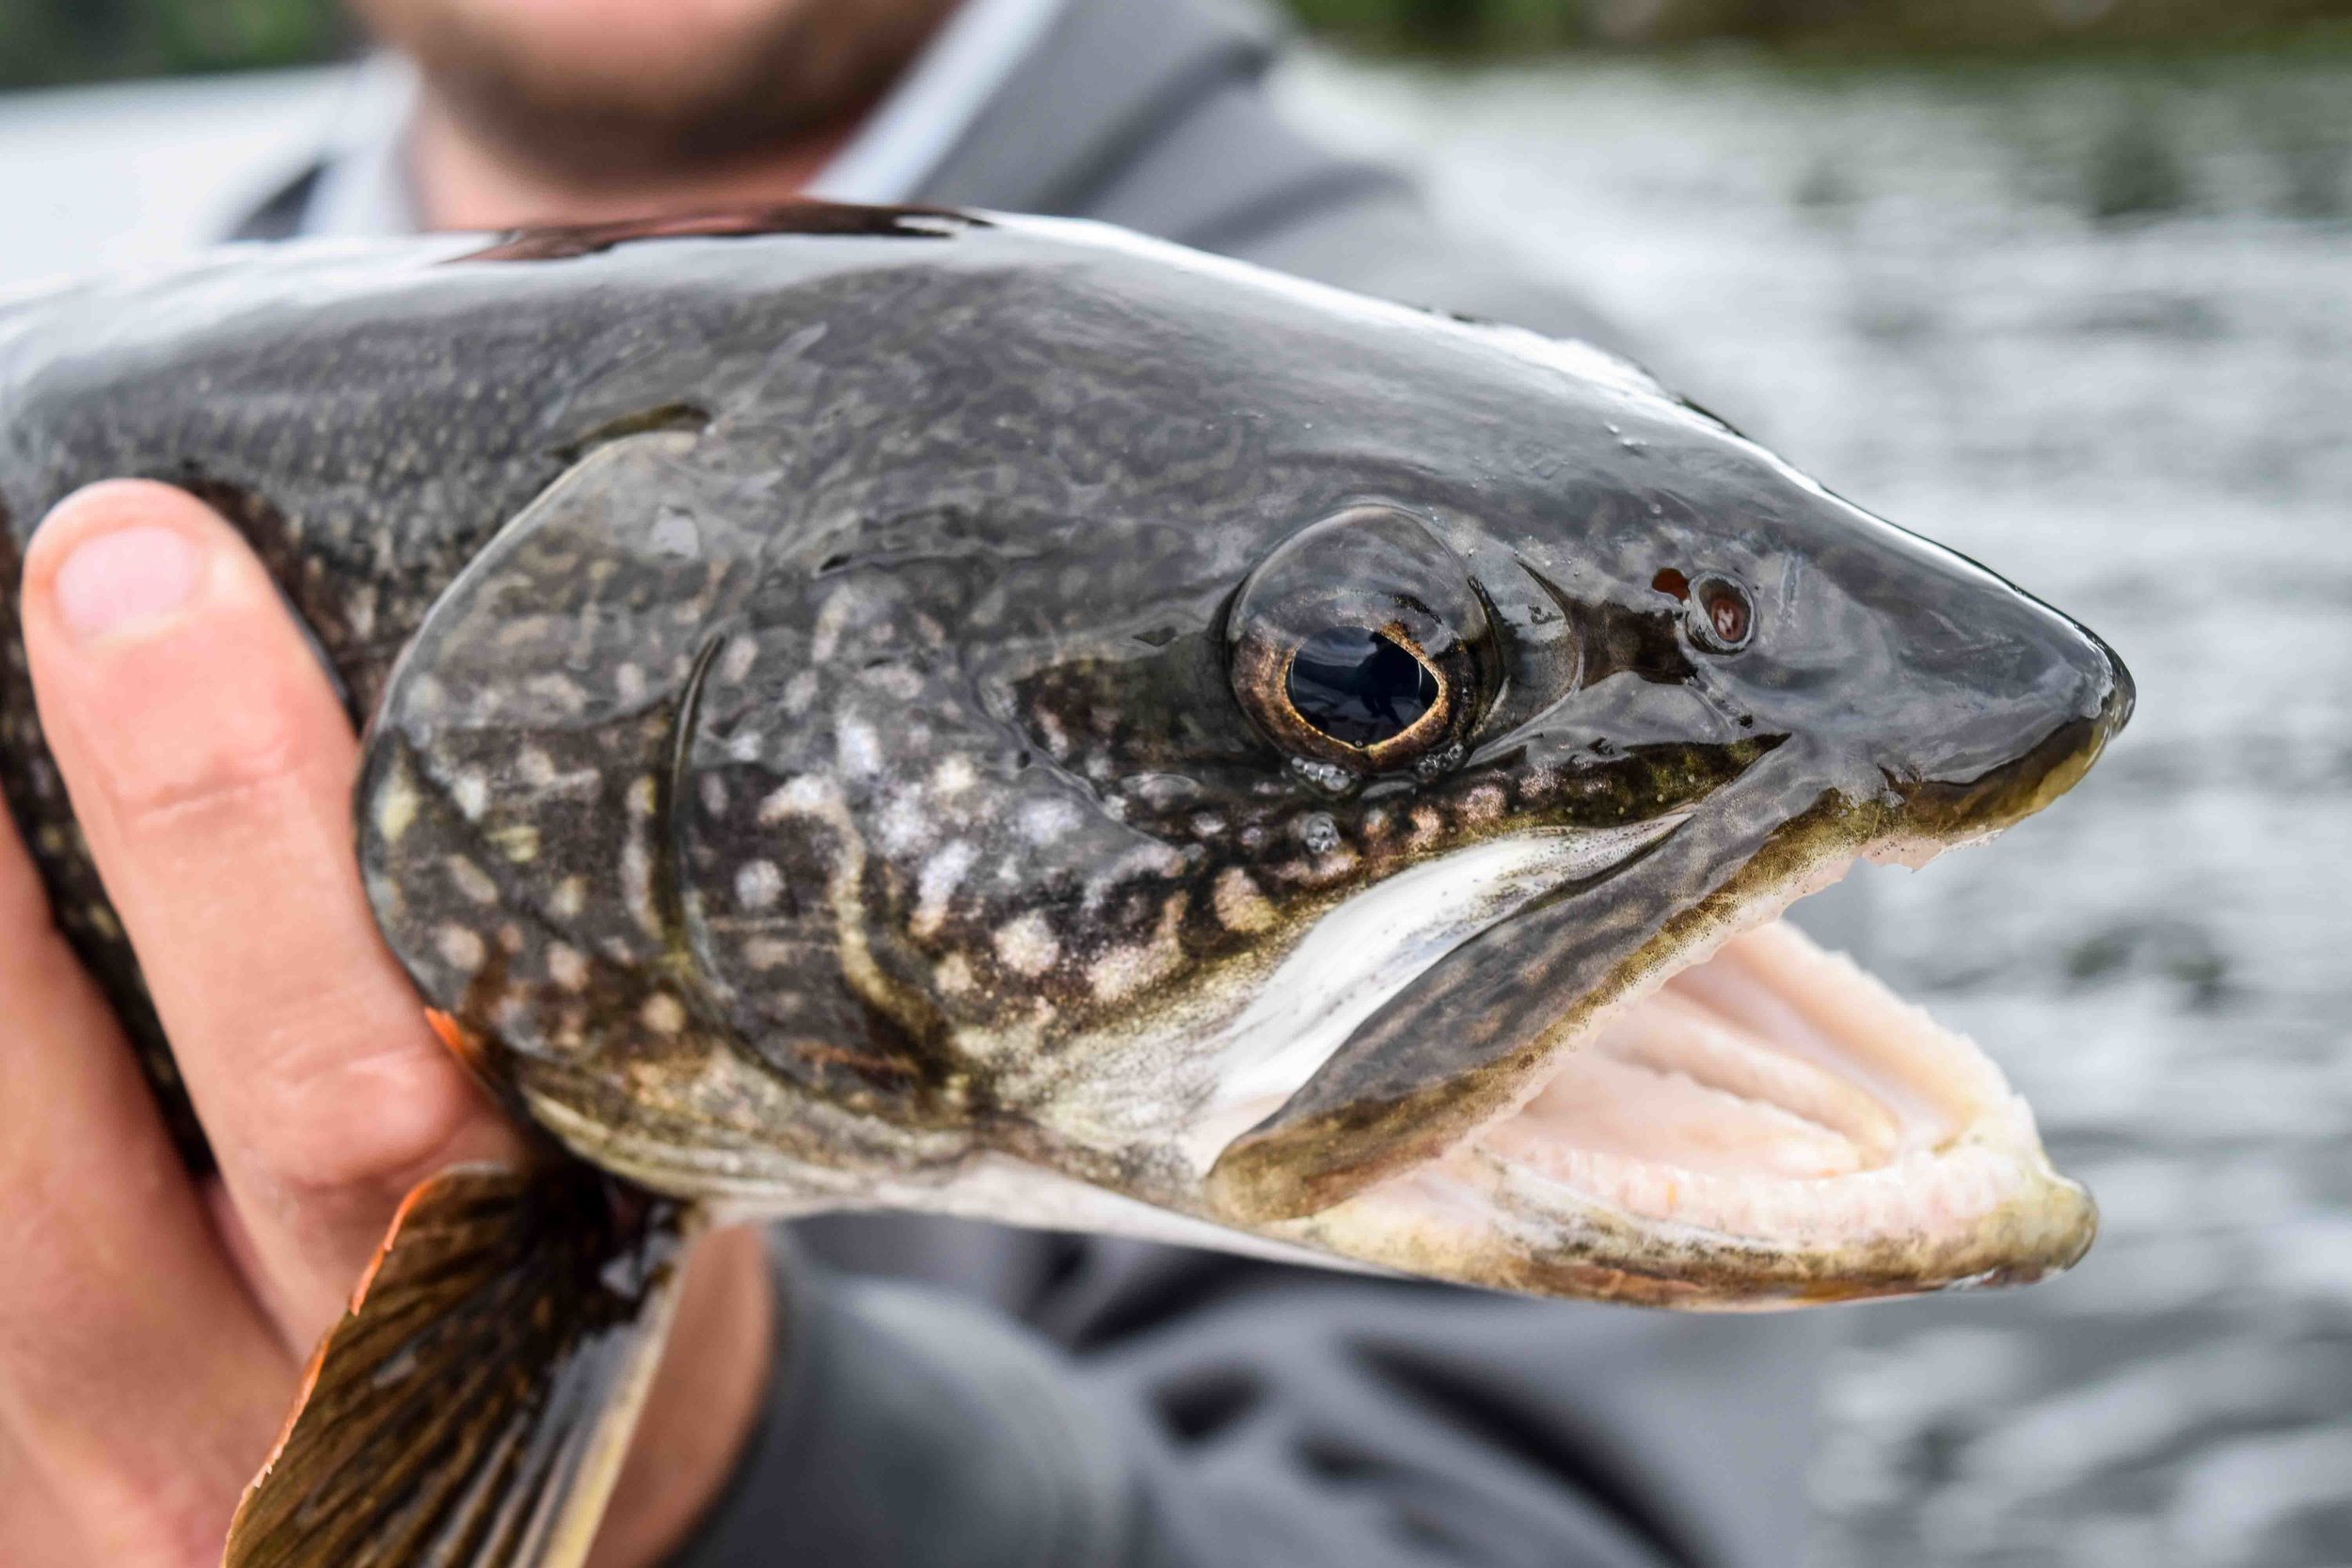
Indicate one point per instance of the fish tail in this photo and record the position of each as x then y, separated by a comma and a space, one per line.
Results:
473, 1405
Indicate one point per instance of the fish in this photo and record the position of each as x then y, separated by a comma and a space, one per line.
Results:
904, 708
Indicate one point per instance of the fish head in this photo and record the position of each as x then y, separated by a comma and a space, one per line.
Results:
1373, 845
1322, 771
1624, 1077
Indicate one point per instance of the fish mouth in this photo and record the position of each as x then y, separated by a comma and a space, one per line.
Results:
1706, 1112
1759, 1122
1766, 1124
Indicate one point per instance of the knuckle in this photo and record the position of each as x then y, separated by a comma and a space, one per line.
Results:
249, 773
361, 1116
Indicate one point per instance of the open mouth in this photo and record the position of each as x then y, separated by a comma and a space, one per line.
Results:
1768, 1123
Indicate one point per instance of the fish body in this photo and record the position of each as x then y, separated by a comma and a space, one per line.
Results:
997, 716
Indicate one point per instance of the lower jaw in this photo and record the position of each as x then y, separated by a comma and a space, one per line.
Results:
1771, 1127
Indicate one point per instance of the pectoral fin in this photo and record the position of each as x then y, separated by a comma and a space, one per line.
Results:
472, 1408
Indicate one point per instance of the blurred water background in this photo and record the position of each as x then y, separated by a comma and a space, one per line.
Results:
2077, 305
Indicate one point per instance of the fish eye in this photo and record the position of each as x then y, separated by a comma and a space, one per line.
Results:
1359, 645
1359, 686
1723, 617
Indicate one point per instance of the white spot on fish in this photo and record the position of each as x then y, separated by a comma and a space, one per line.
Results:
1056, 739
736, 663
637, 885
894, 680
1240, 906
569, 899
1045, 821
905, 824
472, 880
953, 975
767, 953
461, 949
1028, 946
562, 691
807, 794
629, 681
1147, 860
942, 875
858, 747
832, 619
567, 966
953, 776
472, 793
799, 692
663, 1014
759, 884
674, 533
535, 767
396, 807
1124, 970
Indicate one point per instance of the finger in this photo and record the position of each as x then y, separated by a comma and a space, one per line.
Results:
211, 768
139, 1384
34, 1530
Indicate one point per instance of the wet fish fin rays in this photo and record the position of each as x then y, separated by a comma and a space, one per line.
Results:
473, 1407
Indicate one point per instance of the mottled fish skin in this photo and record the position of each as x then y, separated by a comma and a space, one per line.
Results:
857, 764
367, 417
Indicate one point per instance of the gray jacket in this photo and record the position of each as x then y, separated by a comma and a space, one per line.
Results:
954, 1394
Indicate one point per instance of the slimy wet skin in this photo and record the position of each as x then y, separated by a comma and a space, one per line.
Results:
1000, 717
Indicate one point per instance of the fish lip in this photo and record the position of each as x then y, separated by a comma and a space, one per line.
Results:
2076, 733
1951, 812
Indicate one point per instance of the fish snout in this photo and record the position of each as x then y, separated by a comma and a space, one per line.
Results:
2006, 704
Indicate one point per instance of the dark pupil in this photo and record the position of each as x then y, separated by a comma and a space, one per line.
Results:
1358, 687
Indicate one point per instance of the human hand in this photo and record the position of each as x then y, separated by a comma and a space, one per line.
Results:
153, 1326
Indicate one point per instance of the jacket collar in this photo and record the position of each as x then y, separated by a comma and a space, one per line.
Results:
1096, 87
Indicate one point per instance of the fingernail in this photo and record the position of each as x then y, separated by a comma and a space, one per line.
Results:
125, 577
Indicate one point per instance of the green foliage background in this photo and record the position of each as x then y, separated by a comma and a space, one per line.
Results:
47, 42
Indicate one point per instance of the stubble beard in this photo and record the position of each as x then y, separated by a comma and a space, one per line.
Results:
794, 70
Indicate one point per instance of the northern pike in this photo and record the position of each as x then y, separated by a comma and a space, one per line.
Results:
895, 708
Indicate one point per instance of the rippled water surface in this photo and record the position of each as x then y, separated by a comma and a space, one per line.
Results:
2093, 324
